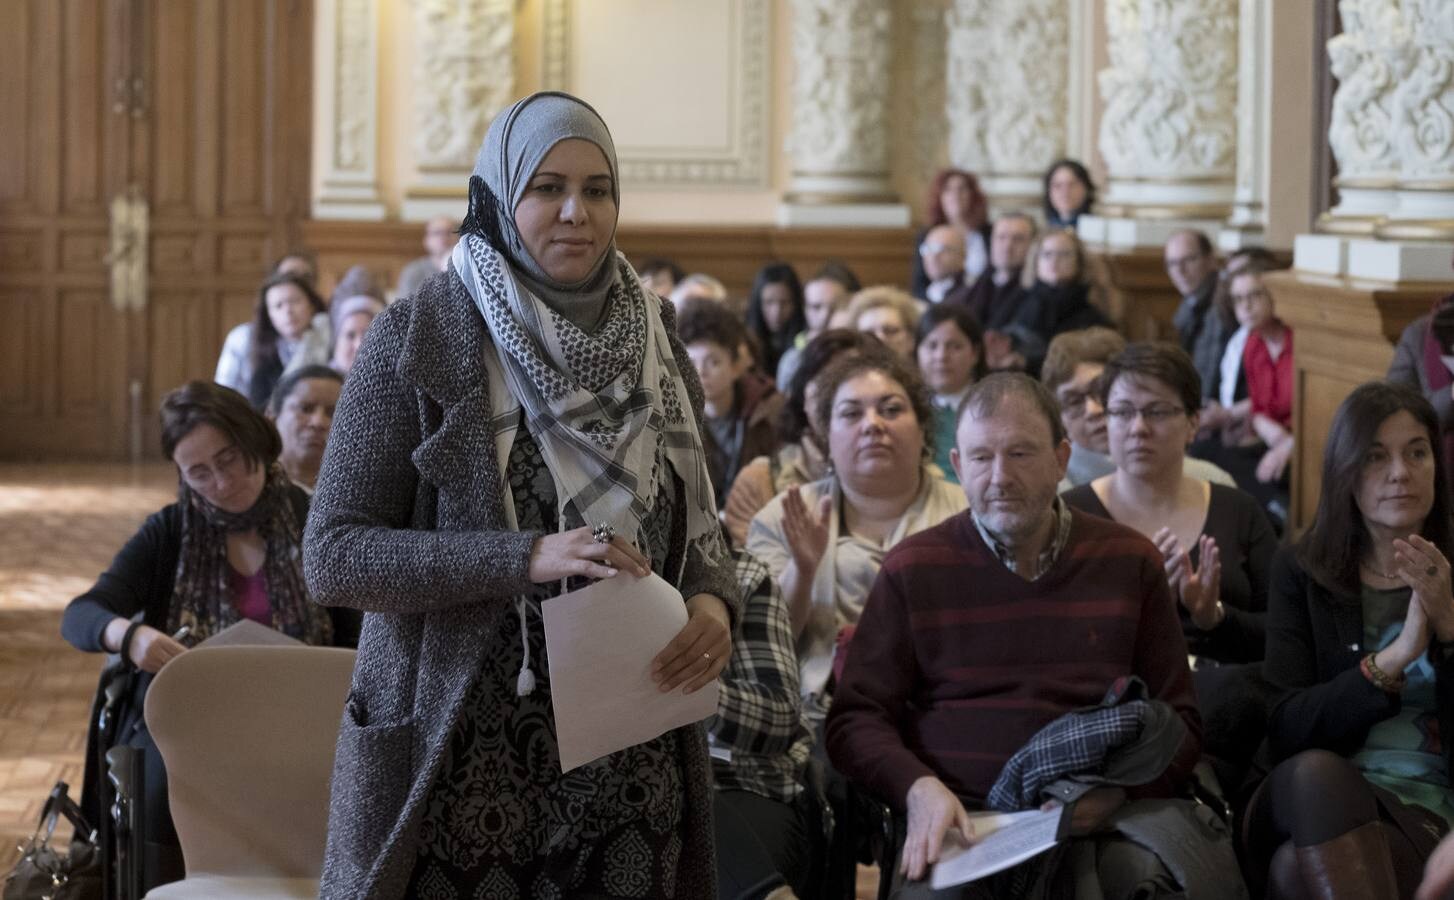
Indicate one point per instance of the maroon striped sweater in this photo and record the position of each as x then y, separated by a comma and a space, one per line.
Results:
957, 662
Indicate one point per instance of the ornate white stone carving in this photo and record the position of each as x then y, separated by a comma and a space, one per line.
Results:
1170, 101
1423, 103
745, 161
464, 73
1364, 59
842, 51
968, 79
1249, 216
1006, 90
347, 44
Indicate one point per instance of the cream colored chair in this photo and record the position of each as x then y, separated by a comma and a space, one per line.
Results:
247, 734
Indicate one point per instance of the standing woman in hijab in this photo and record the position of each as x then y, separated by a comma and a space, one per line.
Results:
523, 423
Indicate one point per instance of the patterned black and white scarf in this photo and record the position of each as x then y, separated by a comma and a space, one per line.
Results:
201, 595
603, 406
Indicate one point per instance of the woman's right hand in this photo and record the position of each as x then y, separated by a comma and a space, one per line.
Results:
576, 552
1410, 644
806, 532
151, 649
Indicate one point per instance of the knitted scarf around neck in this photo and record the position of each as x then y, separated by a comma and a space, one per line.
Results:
202, 598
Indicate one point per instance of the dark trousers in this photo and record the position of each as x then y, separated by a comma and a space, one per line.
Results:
762, 844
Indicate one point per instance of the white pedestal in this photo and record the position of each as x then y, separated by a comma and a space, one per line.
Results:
1128, 233
422, 209
1401, 260
1325, 254
842, 215
1233, 238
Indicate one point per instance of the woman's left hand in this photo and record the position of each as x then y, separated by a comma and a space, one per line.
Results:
1415, 558
699, 652
1201, 590
1274, 462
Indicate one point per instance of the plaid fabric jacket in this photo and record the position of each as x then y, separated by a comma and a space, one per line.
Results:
759, 714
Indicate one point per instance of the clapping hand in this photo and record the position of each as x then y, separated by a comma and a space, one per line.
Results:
806, 532
1421, 566
1199, 589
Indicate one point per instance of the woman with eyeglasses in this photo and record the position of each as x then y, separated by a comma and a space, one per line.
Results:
1216, 541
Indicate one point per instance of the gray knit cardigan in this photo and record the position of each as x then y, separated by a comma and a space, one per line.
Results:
408, 525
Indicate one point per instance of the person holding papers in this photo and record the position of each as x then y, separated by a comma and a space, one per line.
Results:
228, 550
526, 422
986, 628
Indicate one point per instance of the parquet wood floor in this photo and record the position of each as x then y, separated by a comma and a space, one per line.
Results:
59, 527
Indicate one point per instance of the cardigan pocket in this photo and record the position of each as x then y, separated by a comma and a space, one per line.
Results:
371, 783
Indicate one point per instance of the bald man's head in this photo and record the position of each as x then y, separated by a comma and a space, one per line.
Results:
943, 252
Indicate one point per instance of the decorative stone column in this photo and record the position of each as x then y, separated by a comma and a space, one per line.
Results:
839, 145
346, 74
464, 73
1006, 94
1361, 133
1249, 214
1423, 120
1168, 132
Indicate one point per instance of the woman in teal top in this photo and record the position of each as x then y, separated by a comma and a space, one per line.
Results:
1360, 629
950, 351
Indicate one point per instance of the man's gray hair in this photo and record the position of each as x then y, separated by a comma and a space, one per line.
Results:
985, 397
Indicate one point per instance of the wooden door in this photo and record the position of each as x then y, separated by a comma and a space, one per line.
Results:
223, 153
201, 108
63, 385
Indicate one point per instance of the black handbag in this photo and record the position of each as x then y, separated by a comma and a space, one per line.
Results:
45, 873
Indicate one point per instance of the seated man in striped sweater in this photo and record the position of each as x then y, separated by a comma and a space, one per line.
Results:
984, 629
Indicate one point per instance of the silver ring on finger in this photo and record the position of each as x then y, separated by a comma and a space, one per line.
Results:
603, 533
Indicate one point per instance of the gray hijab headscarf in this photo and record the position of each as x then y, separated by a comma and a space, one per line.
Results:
519, 138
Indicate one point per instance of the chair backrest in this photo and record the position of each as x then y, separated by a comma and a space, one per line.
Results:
247, 734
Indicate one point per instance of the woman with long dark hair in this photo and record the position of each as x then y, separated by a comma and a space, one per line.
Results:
1068, 193
1360, 629
289, 330
775, 313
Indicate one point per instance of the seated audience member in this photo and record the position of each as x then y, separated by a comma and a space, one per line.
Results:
954, 198
995, 296
740, 405
301, 408
800, 457
1068, 194
775, 314
1072, 371
700, 285
760, 745
827, 292
440, 234
1201, 327
942, 255
888, 314
281, 337
1226, 413
1057, 299
1252, 436
228, 549
300, 263
987, 628
824, 541
1216, 541
660, 275
356, 301
951, 359
1359, 629
1424, 359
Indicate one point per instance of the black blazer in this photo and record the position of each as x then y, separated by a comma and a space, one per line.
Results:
1314, 646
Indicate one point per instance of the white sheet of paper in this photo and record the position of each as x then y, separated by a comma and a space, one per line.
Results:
247, 633
600, 641
1001, 840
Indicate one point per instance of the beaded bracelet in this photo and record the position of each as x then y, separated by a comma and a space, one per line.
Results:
1381, 679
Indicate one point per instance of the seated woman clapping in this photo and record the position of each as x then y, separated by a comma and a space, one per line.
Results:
825, 541
800, 457
1216, 541
1359, 635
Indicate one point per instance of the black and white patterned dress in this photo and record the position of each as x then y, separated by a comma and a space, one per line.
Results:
501, 821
